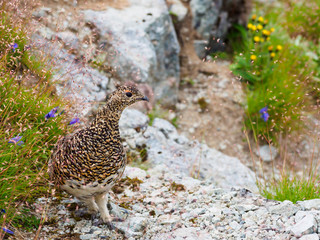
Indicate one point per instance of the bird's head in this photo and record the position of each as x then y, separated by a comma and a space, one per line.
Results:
125, 95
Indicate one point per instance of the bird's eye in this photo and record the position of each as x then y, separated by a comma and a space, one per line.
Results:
129, 94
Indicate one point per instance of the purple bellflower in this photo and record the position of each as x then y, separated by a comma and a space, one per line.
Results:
264, 113
7, 230
51, 113
14, 46
16, 140
75, 120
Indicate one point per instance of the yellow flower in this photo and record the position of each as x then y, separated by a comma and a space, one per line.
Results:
254, 17
253, 28
256, 39
265, 32
265, 21
249, 25
259, 27
268, 38
261, 40
260, 19
272, 30
253, 57
270, 48
272, 54
279, 47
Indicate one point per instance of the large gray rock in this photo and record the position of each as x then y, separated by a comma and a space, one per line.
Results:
141, 45
165, 146
74, 80
205, 15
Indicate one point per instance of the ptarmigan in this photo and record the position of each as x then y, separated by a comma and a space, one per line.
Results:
90, 161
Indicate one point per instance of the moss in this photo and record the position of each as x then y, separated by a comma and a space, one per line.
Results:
152, 213
193, 220
125, 205
133, 184
177, 187
203, 104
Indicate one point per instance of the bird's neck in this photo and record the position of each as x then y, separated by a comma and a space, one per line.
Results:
109, 116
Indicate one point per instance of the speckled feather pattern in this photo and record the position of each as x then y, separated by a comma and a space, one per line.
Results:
92, 159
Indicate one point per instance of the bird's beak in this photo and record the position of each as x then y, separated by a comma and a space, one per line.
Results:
145, 98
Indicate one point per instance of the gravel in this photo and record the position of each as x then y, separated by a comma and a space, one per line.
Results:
169, 205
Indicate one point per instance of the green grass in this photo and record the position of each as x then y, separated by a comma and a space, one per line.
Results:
291, 187
25, 98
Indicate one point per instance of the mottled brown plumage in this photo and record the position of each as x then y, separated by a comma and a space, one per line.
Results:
90, 161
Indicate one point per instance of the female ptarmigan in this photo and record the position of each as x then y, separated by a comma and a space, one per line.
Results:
90, 161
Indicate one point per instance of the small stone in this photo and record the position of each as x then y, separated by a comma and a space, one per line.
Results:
61, 212
133, 172
234, 225
88, 236
168, 219
138, 224
306, 225
267, 153
313, 236
286, 208
245, 207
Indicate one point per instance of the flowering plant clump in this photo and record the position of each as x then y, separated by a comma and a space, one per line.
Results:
274, 70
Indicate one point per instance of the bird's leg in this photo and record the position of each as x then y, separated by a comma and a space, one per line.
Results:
102, 201
91, 205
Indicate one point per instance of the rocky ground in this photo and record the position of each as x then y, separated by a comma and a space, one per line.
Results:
160, 204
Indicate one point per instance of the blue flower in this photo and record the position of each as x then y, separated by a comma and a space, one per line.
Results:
264, 113
14, 46
7, 230
75, 120
2, 211
16, 140
51, 113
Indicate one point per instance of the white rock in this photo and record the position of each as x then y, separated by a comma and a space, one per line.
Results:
285, 208
191, 184
42, 12
133, 172
88, 236
138, 224
178, 9
69, 38
310, 204
267, 153
165, 127
313, 236
132, 118
234, 225
306, 225
168, 219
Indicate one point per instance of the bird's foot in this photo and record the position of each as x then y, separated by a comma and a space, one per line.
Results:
119, 213
107, 221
